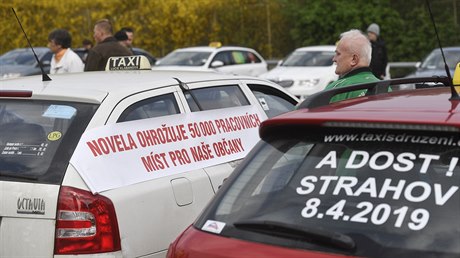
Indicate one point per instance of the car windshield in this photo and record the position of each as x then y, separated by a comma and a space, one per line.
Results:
37, 138
309, 58
185, 58
19, 58
435, 61
387, 191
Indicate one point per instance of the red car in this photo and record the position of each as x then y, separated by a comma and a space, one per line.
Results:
375, 176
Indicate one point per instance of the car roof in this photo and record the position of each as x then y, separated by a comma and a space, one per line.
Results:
93, 87
40, 51
27, 49
453, 48
140, 50
417, 107
211, 49
317, 48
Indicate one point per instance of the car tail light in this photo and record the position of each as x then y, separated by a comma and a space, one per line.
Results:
85, 223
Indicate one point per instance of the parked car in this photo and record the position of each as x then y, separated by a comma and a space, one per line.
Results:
305, 71
374, 176
21, 62
226, 59
118, 163
139, 51
433, 64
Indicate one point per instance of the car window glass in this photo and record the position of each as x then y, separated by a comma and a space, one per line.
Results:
273, 102
251, 57
452, 58
238, 57
185, 58
433, 60
225, 57
37, 138
18, 58
215, 98
309, 58
395, 190
152, 107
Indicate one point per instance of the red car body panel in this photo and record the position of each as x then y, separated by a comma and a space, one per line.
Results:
424, 106
430, 107
193, 243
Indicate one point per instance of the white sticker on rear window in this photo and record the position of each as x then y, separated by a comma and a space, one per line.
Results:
264, 104
213, 226
60, 111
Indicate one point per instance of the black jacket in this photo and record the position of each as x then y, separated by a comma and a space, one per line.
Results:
379, 59
100, 54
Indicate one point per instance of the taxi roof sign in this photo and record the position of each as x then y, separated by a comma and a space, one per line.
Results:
116, 63
456, 79
216, 44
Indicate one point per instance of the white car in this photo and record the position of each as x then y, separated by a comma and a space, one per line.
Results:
118, 163
226, 59
305, 71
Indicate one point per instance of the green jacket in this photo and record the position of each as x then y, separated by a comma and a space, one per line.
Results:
357, 76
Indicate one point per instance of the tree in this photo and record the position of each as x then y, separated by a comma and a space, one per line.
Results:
273, 27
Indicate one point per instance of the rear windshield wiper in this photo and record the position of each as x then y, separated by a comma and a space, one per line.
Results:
321, 236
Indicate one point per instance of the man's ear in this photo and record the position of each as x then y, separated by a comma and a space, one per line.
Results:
354, 60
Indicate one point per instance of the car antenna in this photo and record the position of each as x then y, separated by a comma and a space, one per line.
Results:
45, 77
446, 67
184, 87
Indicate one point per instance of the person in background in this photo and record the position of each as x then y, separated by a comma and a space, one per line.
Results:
87, 45
64, 60
122, 38
106, 47
379, 59
130, 33
352, 56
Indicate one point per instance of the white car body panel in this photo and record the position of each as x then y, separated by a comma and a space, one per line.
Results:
27, 213
159, 210
325, 75
307, 80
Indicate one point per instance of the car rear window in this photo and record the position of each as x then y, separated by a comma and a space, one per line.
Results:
393, 191
37, 138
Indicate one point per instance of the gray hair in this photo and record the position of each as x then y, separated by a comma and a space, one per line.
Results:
359, 44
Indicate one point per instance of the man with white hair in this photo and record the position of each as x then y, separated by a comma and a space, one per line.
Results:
352, 56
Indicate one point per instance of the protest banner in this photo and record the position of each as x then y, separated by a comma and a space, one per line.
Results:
126, 153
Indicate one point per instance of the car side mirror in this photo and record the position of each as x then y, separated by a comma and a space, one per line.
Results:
217, 64
418, 64
280, 62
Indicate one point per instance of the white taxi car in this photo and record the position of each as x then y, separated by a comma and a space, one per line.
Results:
225, 59
118, 163
305, 71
